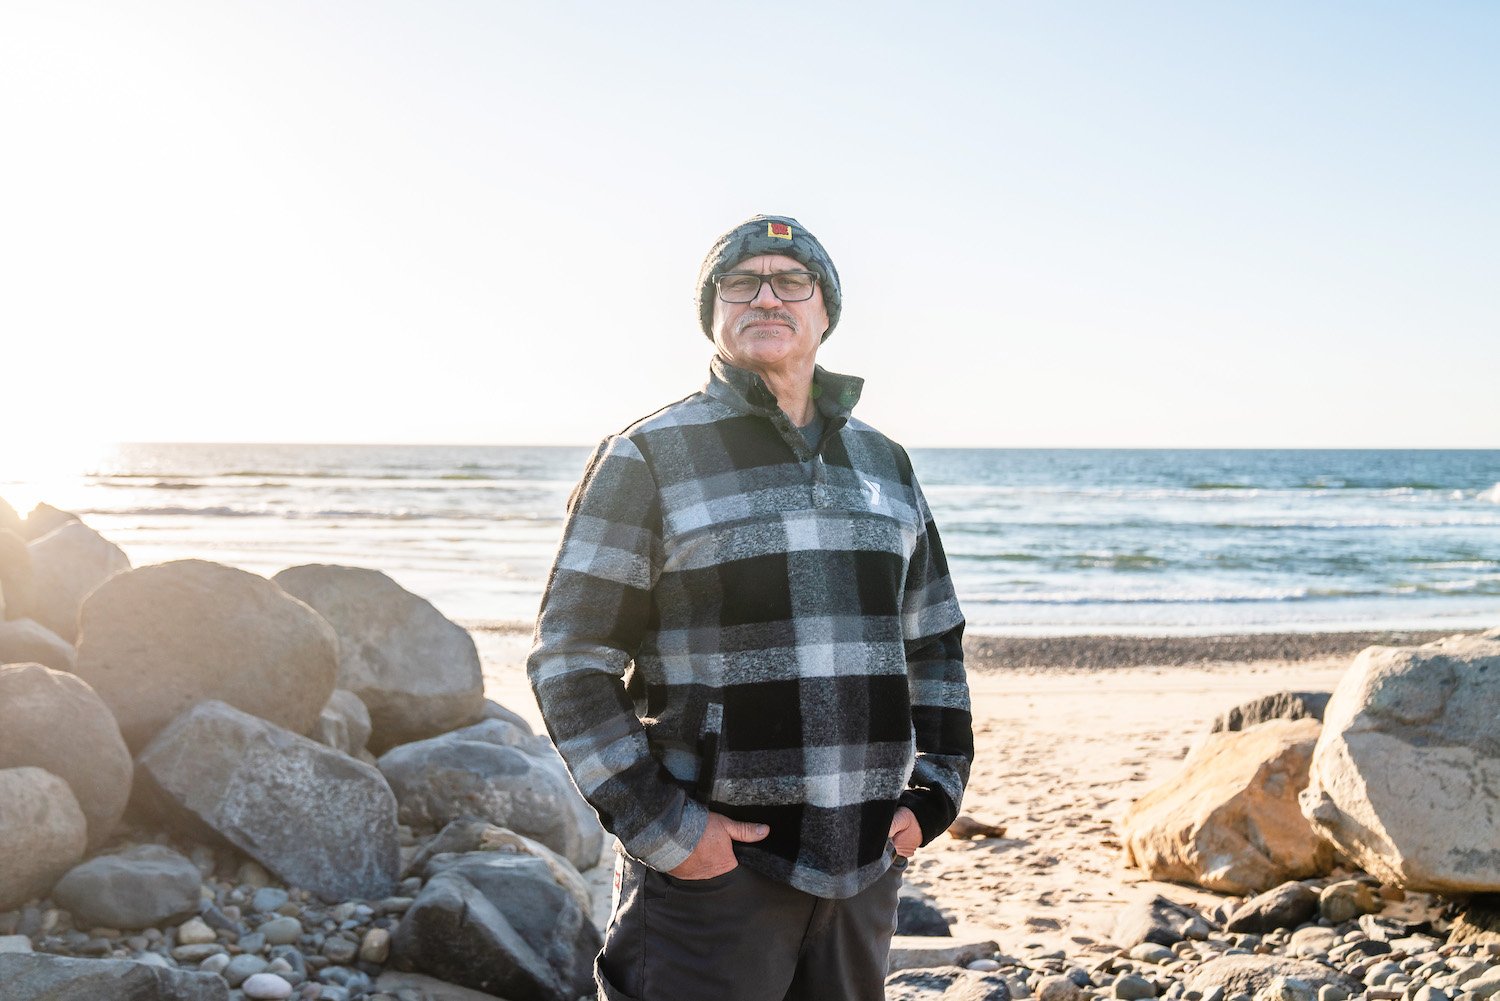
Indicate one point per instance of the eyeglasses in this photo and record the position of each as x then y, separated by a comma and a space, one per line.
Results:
788, 286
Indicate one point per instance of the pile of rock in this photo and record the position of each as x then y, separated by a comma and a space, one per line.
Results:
192, 806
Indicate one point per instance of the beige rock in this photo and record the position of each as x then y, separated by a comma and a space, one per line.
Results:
45, 518
1405, 779
67, 564
15, 575
158, 640
195, 931
919, 951
1347, 899
54, 721
43, 832
1229, 820
417, 672
376, 946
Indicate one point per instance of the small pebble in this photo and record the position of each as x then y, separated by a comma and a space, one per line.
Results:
982, 965
266, 987
194, 932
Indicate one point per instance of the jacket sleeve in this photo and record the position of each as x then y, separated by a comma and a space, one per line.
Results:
594, 612
933, 629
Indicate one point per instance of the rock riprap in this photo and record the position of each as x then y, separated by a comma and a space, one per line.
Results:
1405, 779
315, 817
1229, 820
499, 923
479, 773
157, 640
67, 565
54, 720
344, 723
138, 887
417, 672
26, 641
34, 977
42, 830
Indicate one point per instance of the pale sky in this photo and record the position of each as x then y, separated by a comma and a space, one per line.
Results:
1058, 224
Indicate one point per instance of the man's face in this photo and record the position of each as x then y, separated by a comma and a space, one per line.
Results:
767, 333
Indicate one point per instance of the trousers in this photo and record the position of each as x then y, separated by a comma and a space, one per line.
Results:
741, 936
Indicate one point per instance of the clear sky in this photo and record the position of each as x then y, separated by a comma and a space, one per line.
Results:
1058, 224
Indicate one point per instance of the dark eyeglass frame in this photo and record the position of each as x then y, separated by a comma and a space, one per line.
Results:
764, 280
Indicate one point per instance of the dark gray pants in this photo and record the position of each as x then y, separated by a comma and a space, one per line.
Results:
741, 936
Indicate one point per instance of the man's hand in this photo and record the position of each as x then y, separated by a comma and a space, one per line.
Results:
905, 832
714, 853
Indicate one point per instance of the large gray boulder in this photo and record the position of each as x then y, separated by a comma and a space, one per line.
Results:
139, 887
157, 640
53, 720
43, 833
344, 723
67, 564
15, 575
417, 672
498, 923
946, 983
44, 519
1405, 779
1253, 974
315, 817
24, 641
459, 839
39, 976
492, 772
1281, 705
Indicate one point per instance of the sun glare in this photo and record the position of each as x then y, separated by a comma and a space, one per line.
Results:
35, 469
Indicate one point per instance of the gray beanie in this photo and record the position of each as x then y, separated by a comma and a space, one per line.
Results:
768, 234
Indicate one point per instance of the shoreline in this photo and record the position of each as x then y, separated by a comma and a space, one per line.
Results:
986, 652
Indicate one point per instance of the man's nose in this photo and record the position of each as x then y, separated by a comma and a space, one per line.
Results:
765, 298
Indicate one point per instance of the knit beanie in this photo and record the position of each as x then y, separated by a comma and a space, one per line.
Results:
768, 234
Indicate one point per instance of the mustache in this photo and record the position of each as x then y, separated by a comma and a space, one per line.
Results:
766, 315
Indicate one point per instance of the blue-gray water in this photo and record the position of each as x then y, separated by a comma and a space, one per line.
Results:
1041, 541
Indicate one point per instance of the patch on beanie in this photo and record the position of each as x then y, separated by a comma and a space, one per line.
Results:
779, 230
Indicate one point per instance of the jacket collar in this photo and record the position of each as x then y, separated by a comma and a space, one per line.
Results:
835, 394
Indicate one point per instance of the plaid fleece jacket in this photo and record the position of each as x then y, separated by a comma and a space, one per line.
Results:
738, 623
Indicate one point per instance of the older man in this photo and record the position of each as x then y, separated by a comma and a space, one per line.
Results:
749, 655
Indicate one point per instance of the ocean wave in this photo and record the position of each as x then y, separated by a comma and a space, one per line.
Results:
1113, 598
362, 514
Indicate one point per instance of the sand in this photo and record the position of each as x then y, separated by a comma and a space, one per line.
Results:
1060, 753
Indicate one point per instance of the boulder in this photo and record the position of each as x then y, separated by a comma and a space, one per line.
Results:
1406, 776
498, 923
1252, 974
462, 837
916, 951
417, 672
344, 723
1478, 922
157, 640
916, 916
1158, 920
28, 641
476, 773
43, 831
1346, 900
1229, 820
1282, 705
54, 721
427, 988
315, 817
139, 887
494, 710
10, 521
946, 983
44, 519
15, 575
1285, 906
44, 977
67, 564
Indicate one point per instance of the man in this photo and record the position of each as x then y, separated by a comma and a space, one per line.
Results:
748, 654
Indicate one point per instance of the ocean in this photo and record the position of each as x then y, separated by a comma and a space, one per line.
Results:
1040, 541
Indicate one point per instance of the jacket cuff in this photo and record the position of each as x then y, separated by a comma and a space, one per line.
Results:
933, 811
666, 850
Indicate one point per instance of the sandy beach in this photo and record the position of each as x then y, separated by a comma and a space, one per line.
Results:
1068, 732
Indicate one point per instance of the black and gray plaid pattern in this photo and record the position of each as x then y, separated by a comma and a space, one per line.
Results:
723, 630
